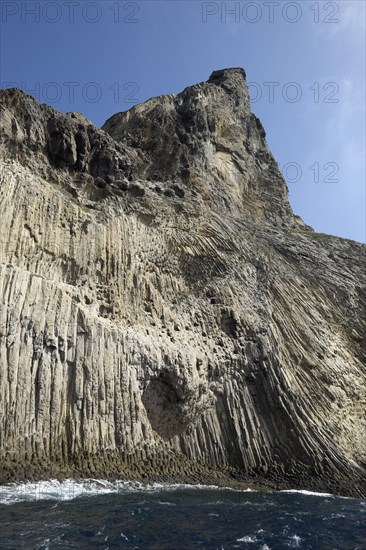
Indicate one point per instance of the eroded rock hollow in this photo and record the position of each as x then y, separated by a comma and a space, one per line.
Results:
163, 313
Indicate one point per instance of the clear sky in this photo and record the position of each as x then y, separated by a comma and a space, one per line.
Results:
304, 60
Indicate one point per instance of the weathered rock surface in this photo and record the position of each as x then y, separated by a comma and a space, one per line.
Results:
163, 314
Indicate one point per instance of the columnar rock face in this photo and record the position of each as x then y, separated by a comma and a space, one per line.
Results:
164, 315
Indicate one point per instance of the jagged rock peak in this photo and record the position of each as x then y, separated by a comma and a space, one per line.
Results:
230, 79
227, 74
233, 82
207, 139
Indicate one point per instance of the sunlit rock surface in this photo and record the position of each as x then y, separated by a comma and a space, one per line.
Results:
163, 313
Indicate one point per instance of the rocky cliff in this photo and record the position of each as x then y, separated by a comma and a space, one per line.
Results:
164, 315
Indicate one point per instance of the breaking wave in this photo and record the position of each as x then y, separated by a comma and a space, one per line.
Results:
70, 489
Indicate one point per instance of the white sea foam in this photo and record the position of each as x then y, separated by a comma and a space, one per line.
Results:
309, 493
295, 541
247, 539
70, 489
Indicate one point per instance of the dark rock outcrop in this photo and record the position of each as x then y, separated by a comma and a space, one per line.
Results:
164, 315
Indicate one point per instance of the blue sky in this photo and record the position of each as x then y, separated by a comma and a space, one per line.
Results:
304, 61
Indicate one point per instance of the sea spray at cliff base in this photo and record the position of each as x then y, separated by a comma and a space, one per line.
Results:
70, 489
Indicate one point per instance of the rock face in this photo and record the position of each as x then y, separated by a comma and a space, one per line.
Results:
207, 139
164, 315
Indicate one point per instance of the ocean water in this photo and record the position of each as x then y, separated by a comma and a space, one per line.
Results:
99, 514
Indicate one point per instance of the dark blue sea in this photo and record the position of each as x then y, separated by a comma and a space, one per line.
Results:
99, 514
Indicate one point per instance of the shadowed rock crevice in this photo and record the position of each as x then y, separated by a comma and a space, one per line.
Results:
164, 408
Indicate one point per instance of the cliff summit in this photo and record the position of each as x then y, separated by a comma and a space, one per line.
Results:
164, 314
